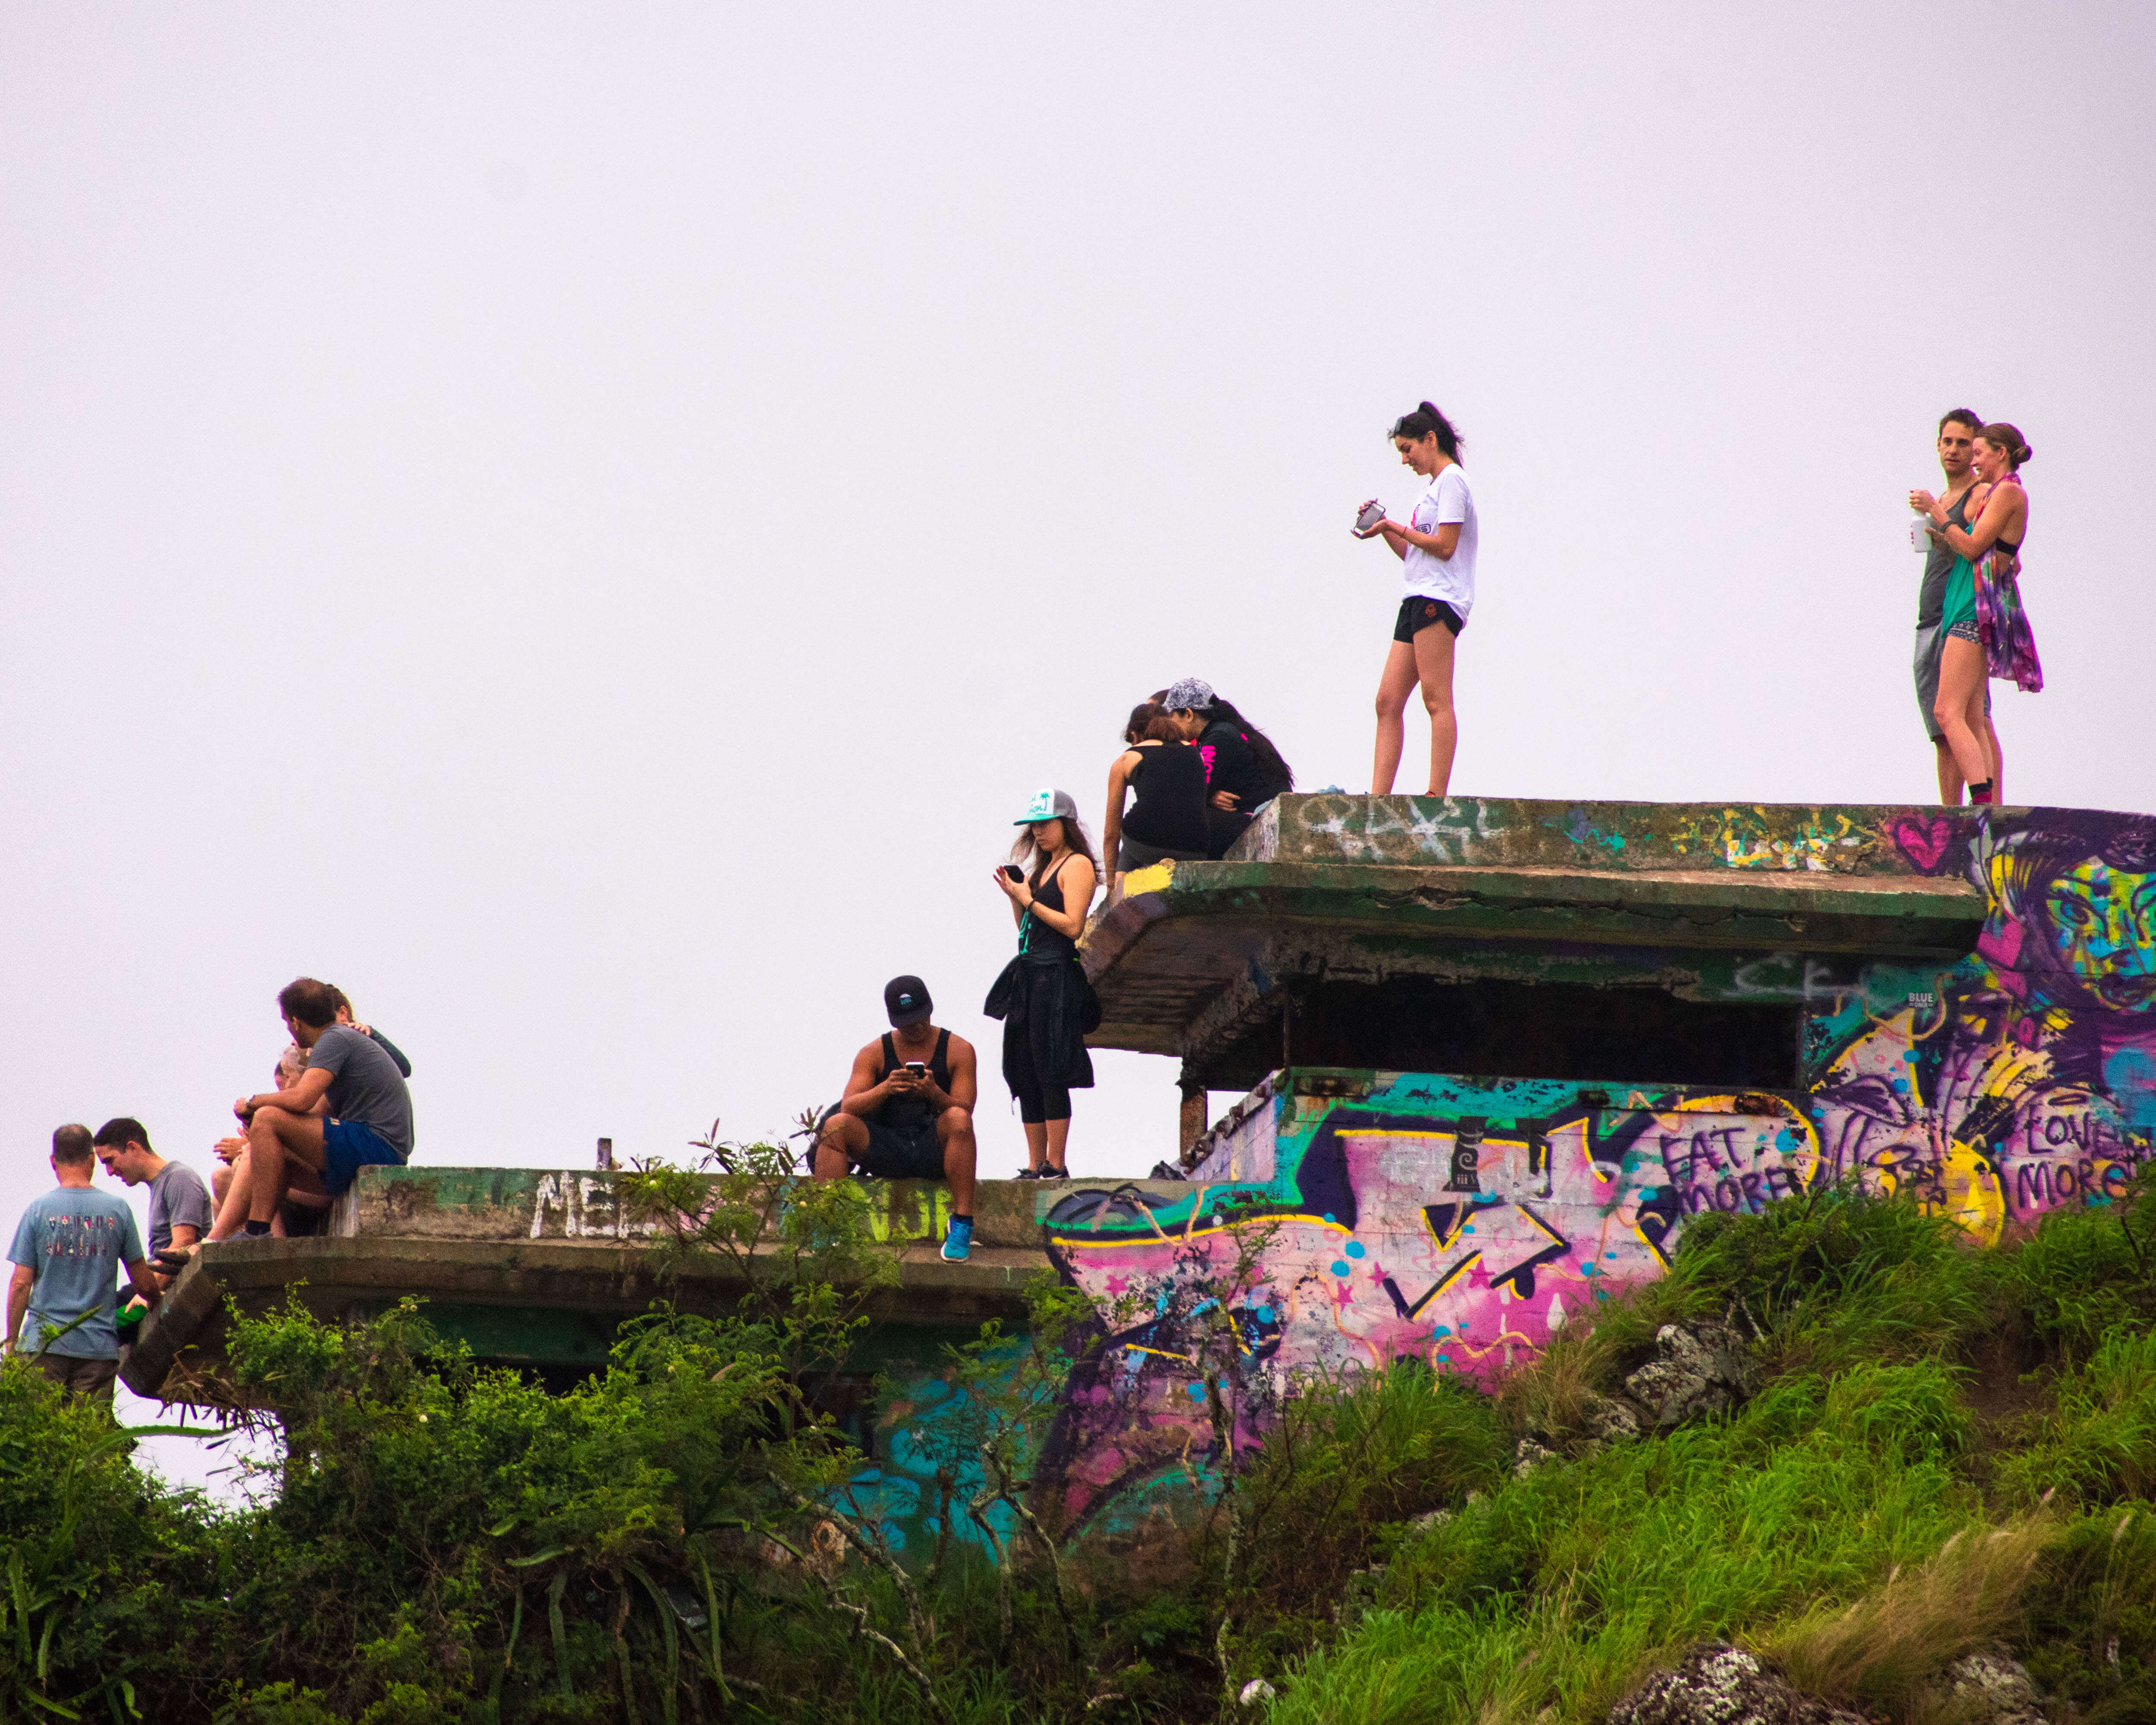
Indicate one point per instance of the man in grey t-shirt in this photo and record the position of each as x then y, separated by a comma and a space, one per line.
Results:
67, 1248
180, 1210
369, 1120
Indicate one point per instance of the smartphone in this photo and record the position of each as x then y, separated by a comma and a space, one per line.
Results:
1014, 871
919, 1069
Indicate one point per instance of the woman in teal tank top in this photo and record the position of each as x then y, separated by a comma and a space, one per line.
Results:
2000, 513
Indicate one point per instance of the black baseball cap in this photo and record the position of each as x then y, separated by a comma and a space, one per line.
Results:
906, 1000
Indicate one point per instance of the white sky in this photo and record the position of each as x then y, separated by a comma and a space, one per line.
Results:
583, 525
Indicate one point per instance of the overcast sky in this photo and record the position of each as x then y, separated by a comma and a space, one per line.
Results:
584, 526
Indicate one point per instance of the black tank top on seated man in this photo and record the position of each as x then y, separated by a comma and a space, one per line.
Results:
910, 1114
1167, 789
1037, 942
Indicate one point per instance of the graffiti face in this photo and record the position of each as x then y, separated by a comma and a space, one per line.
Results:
2101, 923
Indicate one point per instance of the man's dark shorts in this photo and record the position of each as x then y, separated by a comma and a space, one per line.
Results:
348, 1147
899, 1153
1418, 613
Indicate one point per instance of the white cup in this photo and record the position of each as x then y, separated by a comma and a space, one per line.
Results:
1920, 537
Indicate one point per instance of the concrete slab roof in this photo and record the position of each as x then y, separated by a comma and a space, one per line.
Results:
1359, 885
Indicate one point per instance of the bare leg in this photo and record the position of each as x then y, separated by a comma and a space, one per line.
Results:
232, 1200
1997, 760
1036, 1144
1950, 780
1433, 658
1393, 687
276, 1141
1961, 676
956, 1130
844, 1142
1058, 1133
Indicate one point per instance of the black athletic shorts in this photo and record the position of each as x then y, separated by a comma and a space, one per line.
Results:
1417, 613
901, 1153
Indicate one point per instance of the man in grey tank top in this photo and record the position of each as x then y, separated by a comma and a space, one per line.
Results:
1956, 449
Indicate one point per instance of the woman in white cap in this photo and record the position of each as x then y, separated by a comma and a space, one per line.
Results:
1042, 997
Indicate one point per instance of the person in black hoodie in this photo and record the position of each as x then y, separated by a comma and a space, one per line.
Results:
1244, 772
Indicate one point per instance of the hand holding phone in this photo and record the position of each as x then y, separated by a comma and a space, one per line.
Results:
1012, 871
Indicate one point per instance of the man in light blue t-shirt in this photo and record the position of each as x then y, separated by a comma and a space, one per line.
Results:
69, 1248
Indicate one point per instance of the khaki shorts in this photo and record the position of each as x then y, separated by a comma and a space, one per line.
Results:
81, 1377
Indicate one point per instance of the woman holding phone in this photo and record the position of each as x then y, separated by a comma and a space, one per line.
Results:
1042, 996
1437, 546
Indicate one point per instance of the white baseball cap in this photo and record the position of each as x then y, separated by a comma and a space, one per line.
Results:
1048, 805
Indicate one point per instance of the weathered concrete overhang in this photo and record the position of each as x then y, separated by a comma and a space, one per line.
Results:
533, 1266
1364, 887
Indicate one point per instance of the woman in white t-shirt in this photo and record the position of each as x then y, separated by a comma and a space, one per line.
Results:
1437, 550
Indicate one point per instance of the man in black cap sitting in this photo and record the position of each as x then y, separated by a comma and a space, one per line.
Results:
908, 1111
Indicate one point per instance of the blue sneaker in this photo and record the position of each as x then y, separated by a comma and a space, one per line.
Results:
958, 1243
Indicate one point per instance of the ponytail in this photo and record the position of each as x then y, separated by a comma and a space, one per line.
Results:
1426, 421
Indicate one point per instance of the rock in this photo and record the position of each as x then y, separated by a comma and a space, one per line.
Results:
1529, 1456
1704, 1369
1435, 1518
2000, 1688
1256, 1692
1717, 1684
1610, 1421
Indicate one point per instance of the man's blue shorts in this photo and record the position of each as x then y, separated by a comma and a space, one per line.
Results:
349, 1146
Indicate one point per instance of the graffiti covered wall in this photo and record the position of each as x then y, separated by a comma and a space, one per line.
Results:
1350, 1219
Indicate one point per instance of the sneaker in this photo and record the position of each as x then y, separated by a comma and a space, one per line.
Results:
958, 1243
1054, 1173
1027, 1174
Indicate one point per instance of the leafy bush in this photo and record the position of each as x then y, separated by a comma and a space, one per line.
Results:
1948, 1448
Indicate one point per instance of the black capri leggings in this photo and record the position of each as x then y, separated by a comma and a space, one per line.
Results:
1036, 1101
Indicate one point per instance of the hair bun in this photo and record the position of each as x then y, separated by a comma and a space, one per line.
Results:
2024, 455
1430, 411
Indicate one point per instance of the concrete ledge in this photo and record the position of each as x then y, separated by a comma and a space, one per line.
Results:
1159, 954
1838, 839
464, 1237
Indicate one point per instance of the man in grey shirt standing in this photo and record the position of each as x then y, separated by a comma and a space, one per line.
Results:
67, 1246
369, 1120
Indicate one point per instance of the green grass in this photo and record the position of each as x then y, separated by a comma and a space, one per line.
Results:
1863, 1521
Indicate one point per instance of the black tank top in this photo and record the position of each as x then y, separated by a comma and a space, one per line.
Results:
911, 1113
1038, 943
1167, 789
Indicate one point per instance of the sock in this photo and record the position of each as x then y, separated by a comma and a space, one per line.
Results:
256, 1230
1980, 793
968, 1220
